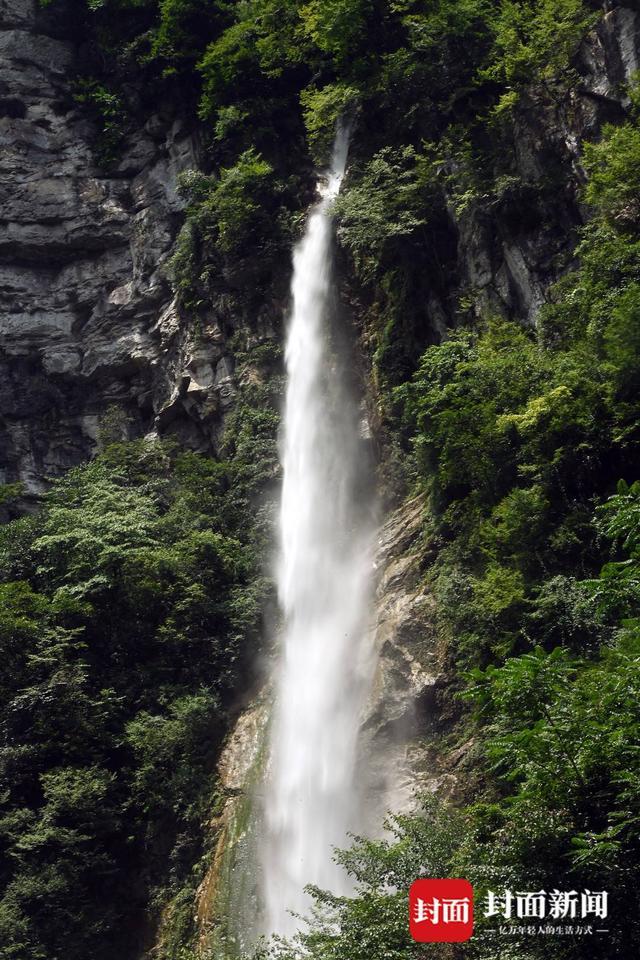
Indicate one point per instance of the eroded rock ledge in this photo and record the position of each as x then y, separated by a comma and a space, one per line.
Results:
87, 319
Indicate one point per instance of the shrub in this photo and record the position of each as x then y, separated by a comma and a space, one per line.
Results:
322, 108
535, 41
231, 222
389, 201
107, 110
613, 166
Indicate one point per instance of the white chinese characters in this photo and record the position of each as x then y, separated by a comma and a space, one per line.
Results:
555, 904
438, 911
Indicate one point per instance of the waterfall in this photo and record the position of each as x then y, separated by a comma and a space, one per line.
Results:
311, 797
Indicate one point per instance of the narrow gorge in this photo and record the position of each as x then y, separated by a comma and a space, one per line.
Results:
319, 474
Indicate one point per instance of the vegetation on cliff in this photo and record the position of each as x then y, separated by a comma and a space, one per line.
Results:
527, 444
526, 441
129, 605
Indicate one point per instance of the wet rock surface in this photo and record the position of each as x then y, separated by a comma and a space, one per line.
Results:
228, 893
401, 727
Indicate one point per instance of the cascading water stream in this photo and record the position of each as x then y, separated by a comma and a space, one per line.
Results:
311, 797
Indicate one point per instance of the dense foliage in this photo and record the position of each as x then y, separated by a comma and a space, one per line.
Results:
520, 439
560, 806
266, 80
129, 606
525, 441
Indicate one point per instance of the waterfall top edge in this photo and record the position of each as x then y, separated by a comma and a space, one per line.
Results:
330, 182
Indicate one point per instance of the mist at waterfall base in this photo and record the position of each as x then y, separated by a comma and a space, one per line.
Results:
323, 671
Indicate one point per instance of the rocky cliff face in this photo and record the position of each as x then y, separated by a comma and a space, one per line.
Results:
88, 322
400, 743
501, 251
400, 727
87, 318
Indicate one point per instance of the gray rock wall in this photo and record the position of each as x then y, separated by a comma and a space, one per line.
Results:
512, 246
87, 320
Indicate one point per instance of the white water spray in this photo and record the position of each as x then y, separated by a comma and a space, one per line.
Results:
311, 797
